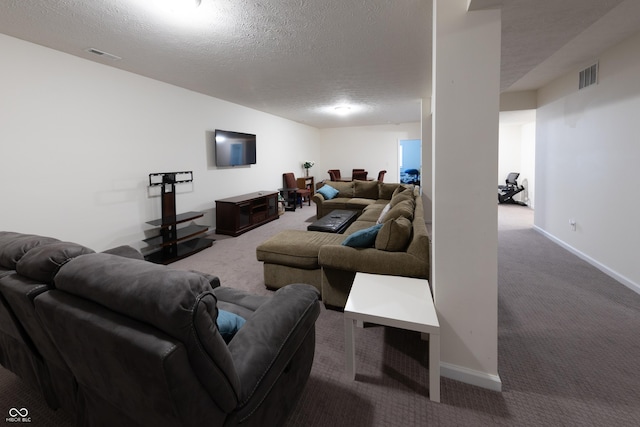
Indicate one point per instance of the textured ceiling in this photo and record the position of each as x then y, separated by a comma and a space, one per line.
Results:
298, 59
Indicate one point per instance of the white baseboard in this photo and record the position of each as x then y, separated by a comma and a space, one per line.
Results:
606, 270
469, 376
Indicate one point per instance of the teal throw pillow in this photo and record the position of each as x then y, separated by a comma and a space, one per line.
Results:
327, 191
363, 238
228, 324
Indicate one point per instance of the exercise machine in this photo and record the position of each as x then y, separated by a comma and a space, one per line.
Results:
510, 189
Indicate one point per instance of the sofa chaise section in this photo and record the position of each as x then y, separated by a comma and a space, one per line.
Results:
291, 256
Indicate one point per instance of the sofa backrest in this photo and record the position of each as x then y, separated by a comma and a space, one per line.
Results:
145, 326
365, 189
345, 189
419, 245
31, 354
14, 246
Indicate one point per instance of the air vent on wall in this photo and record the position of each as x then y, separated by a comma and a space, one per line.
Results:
103, 54
588, 76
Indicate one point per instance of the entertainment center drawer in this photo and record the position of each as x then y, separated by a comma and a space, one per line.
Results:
260, 216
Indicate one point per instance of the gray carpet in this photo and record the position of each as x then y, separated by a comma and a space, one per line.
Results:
569, 348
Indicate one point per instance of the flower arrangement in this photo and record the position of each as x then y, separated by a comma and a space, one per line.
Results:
307, 164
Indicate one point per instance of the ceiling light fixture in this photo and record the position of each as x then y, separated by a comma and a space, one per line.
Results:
342, 110
179, 6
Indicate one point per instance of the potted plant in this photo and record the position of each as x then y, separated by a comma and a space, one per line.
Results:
308, 164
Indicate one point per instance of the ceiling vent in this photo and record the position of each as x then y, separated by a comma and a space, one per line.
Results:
103, 54
588, 76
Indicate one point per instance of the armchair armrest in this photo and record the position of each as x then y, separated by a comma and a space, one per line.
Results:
264, 346
371, 260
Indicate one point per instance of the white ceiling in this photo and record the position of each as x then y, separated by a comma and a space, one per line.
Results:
298, 59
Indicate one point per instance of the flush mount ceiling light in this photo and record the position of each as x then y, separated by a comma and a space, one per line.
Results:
176, 6
191, 15
342, 110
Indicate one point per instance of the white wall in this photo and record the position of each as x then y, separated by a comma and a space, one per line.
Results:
78, 140
587, 154
373, 148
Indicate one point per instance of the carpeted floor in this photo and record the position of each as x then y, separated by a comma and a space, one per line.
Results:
569, 348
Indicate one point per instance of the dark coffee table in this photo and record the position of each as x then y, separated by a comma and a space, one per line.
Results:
334, 222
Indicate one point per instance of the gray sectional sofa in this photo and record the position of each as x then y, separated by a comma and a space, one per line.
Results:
116, 340
401, 246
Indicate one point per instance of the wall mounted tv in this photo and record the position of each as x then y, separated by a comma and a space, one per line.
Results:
235, 148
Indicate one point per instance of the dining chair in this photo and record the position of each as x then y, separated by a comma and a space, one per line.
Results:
359, 175
301, 193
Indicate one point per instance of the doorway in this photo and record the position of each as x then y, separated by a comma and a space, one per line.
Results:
517, 151
409, 161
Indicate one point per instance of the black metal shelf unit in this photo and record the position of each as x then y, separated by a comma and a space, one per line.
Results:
173, 242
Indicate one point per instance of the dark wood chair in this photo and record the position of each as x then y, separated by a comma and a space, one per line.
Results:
353, 172
381, 176
359, 175
334, 174
301, 193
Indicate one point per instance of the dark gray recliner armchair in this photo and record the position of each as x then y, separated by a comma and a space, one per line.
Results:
143, 344
25, 348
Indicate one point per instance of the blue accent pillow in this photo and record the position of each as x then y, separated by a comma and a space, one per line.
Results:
363, 238
327, 191
228, 324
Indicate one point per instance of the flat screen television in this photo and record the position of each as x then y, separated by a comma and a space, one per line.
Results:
235, 148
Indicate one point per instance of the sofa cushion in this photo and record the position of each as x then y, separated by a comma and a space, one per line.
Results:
125, 251
386, 189
43, 262
345, 189
370, 213
383, 213
404, 208
328, 192
335, 203
394, 236
402, 188
13, 246
359, 203
401, 194
296, 248
366, 189
363, 238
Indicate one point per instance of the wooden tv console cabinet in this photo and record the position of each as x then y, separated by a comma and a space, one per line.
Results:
239, 214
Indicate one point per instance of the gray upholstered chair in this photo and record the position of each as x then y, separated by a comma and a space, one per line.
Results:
145, 345
29, 263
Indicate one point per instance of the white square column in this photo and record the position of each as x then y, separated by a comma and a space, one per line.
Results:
465, 106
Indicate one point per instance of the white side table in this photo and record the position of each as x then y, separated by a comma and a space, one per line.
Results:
400, 302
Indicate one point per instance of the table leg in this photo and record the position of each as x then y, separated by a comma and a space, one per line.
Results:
349, 347
434, 367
